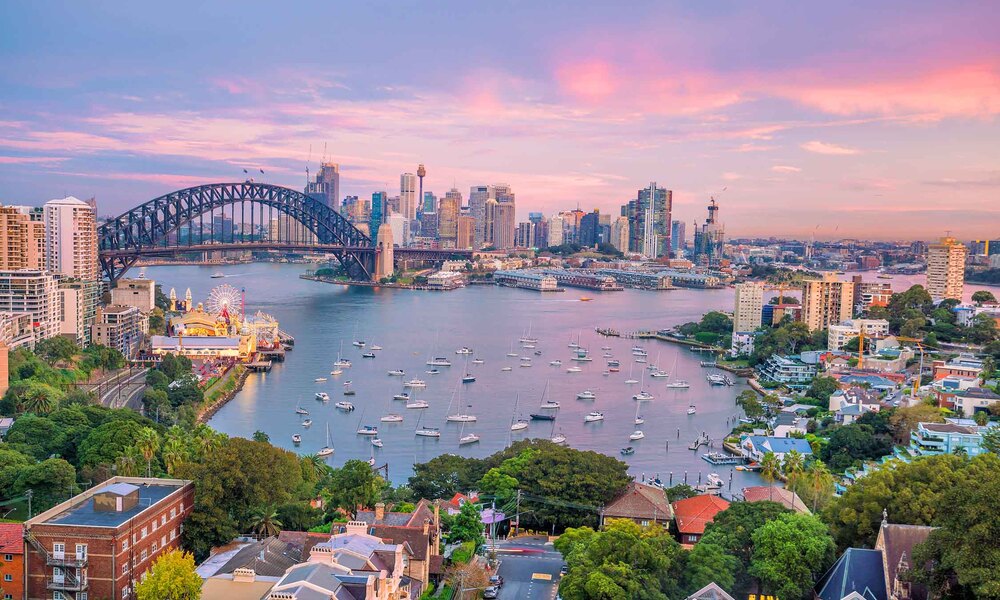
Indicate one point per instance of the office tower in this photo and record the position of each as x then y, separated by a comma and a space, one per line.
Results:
984, 247
588, 233
429, 224
326, 187
408, 196
619, 234
678, 237
748, 306
557, 229
525, 236
946, 269
465, 232
448, 209
709, 238
478, 195
429, 203
826, 301
71, 239
649, 221
541, 239
22, 238
536, 217
400, 229
35, 292
378, 214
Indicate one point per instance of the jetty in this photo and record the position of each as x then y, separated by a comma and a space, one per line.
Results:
703, 440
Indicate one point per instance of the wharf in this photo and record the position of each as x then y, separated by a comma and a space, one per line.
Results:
278, 354
259, 366
719, 458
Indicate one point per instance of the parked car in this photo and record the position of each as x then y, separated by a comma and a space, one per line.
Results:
563, 570
496, 581
491, 592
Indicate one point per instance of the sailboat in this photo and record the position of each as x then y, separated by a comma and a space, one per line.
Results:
341, 361
326, 450
515, 423
638, 418
511, 353
643, 394
527, 339
466, 438
631, 381
679, 384
300, 411
431, 432
391, 417
458, 417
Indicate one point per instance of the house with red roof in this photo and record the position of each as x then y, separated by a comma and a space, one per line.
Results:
691, 515
11, 560
641, 503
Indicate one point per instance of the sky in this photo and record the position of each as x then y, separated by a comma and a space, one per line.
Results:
833, 119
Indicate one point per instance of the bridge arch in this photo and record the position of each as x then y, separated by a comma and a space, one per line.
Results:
151, 228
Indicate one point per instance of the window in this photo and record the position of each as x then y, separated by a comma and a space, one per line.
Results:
81, 551
135, 538
182, 507
163, 520
8, 577
59, 549
173, 534
57, 595
152, 548
8, 597
81, 596
154, 525
145, 532
124, 545
163, 541
173, 513
124, 568
125, 592
143, 555
8, 557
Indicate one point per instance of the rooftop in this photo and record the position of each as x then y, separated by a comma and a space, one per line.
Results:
856, 571
783, 496
11, 538
640, 501
693, 514
79, 510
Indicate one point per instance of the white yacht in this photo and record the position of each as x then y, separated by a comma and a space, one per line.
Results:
342, 362
368, 430
377, 442
556, 363
359, 343
680, 384
559, 438
469, 438
396, 373
519, 425
574, 370
549, 404
375, 347
464, 350
307, 423
637, 435
631, 381
507, 369
692, 409
478, 361
415, 383
392, 418
320, 379
337, 371
591, 417
439, 361
322, 396
659, 374
461, 418
586, 395
642, 396
432, 432
401, 396
417, 404
326, 450
296, 439
344, 405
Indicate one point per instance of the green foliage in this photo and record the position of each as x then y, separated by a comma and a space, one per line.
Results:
985, 276
446, 475
851, 444
983, 296
467, 526
822, 388
680, 492
354, 485
963, 554
55, 349
708, 563
788, 338
172, 577
732, 531
623, 562
108, 441
52, 481
790, 553
499, 484
39, 437
750, 402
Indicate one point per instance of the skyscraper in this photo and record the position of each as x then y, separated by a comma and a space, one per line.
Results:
408, 196
71, 239
325, 187
748, 306
478, 195
649, 221
589, 232
708, 239
22, 238
678, 237
379, 213
619, 234
557, 229
827, 301
466, 232
448, 210
946, 269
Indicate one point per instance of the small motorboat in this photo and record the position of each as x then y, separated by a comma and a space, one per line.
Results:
301, 411
368, 355
415, 383
468, 378
614, 363
344, 405
678, 385
401, 396
461, 418
640, 360
613, 369
323, 396
585, 298
417, 404
518, 425
377, 442
324, 452
692, 409
478, 361
549, 404
392, 418
349, 391
375, 347
368, 430
507, 369
439, 361
359, 343
627, 451
319, 379
714, 481
606, 355
659, 374
432, 432
586, 395
307, 423
639, 420
555, 363
559, 438
464, 350
593, 417
631, 381
605, 347
529, 346
574, 370
432, 372
542, 417
348, 382
296, 439
637, 435
218, 275
643, 396
343, 362
538, 352
469, 438
337, 371
525, 364
396, 373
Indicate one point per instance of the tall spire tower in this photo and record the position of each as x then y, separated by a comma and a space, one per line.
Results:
421, 171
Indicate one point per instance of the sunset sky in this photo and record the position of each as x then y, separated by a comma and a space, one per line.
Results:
871, 120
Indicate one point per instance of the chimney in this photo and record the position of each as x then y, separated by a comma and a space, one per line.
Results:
427, 526
379, 511
244, 575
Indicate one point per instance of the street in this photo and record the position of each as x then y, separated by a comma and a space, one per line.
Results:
121, 389
530, 568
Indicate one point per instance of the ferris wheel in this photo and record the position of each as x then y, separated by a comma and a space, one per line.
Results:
224, 299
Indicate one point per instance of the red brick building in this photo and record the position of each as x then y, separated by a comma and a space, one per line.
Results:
11, 561
98, 544
691, 515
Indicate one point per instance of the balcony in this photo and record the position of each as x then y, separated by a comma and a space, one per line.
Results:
72, 561
67, 583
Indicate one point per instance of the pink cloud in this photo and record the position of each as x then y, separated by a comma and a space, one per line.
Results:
819, 147
785, 169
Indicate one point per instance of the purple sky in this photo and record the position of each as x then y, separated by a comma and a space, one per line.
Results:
871, 120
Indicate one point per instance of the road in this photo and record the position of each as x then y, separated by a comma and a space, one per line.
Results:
530, 569
122, 389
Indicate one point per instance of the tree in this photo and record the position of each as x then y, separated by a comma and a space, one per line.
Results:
39, 437
751, 405
107, 442
790, 553
732, 531
260, 436
172, 577
770, 468
963, 554
266, 522
467, 526
853, 443
55, 349
354, 485
983, 296
991, 440
814, 486
822, 388
624, 561
445, 475
498, 483
793, 463
12, 463
981, 418
680, 492
904, 420
148, 444
35, 397
709, 563
52, 481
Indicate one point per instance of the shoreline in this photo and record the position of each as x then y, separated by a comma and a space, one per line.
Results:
209, 411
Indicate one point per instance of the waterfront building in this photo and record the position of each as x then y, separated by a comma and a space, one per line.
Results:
748, 307
325, 187
379, 213
499, 224
709, 238
140, 293
649, 221
839, 335
742, 343
445, 280
465, 232
754, 447
826, 301
22, 238
584, 279
408, 196
525, 235
11, 560
688, 279
640, 503
121, 328
946, 269
642, 280
34, 292
792, 371
531, 280
101, 542
678, 237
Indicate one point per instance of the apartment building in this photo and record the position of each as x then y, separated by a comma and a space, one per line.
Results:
826, 301
35, 292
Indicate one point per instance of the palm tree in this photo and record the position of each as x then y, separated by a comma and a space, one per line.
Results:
770, 468
266, 523
981, 418
794, 463
147, 443
125, 465
174, 453
819, 479
37, 401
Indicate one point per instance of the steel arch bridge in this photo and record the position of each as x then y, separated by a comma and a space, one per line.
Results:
155, 228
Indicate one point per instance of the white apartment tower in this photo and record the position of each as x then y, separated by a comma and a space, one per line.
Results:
71, 239
946, 269
408, 196
749, 306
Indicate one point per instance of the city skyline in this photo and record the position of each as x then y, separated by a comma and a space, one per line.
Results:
886, 130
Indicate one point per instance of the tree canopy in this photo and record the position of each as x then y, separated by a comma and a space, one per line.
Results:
172, 577
790, 553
